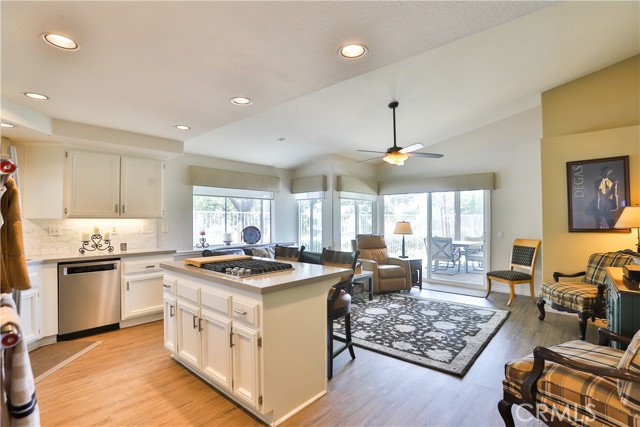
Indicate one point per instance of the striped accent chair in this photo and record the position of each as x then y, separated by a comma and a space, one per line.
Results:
576, 384
587, 296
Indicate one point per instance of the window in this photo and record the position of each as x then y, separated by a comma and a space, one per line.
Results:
216, 212
356, 217
310, 224
413, 209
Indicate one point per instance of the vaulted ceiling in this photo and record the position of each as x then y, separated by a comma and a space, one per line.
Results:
146, 66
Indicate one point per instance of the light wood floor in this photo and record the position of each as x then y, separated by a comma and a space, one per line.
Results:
131, 380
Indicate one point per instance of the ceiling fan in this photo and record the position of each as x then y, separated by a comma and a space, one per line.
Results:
397, 155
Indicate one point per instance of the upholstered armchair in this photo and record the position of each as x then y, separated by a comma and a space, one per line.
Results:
585, 296
389, 273
576, 383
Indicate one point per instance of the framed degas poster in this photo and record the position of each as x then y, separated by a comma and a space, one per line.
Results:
598, 191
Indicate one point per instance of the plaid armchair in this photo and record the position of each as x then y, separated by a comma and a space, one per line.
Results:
586, 297
576, 384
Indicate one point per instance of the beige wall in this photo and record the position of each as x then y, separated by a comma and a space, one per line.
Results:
592, 117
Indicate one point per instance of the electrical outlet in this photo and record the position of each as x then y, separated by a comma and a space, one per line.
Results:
114, 230
165, 227
148, 229
55, 230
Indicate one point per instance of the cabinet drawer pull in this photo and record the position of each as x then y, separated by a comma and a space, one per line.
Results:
116, 209
171, 311
166, 286
123, 210
150, 266
194, 322
230, 339
127, 285
240, 312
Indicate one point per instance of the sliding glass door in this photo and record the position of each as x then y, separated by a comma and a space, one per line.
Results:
456, 249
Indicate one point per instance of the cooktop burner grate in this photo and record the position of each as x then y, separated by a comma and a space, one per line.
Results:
248, 267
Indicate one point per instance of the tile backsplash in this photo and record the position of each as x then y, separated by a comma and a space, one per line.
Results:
136, 233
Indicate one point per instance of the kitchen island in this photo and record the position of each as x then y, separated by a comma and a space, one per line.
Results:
260, 340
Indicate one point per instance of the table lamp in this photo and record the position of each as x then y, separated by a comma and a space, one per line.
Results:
629, 218
403, 227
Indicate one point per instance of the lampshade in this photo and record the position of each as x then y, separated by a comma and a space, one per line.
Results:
403, 227
630, 218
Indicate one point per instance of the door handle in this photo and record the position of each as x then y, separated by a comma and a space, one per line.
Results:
171, 311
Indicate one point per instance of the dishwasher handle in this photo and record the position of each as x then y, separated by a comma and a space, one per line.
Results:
90, 268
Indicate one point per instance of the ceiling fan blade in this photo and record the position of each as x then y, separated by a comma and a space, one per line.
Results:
411, 148
426, 155
369, 151
375, 158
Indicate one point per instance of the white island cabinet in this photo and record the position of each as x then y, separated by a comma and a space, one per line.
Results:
261, 341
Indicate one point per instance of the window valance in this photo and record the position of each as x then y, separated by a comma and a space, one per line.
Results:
479, 181
351, 184
207, 177
309, 184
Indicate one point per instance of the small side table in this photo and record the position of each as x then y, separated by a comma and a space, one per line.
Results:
366, 277
415, 264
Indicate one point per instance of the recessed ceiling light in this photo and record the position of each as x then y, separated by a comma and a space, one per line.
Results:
59, 41
7, 125
352, 51
282, 139
241, 100
37, 96
182, 127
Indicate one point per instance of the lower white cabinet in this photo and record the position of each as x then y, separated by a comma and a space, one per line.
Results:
29, 318
169, 313
142, 289
215, 343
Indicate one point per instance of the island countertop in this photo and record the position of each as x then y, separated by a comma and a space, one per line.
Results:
302, 274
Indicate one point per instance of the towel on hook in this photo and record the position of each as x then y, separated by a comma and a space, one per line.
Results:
13, 269
20, 388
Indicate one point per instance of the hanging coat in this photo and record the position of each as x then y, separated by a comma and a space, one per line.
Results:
13, 264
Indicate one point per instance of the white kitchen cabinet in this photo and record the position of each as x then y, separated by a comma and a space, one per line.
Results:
141, 188
221, 346
245, 364
93, 185
169, 313
29, 315
216, 349
188, 333
142, 290
61, 183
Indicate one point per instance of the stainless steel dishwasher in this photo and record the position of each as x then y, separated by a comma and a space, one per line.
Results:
88, 298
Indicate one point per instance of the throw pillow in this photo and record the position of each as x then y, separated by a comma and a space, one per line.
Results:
265, 252
629, 392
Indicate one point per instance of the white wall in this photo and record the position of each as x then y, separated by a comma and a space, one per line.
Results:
179, 200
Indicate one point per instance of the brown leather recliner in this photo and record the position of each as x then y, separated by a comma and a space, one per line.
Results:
389, 273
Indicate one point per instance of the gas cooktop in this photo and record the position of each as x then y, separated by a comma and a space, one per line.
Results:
247, 267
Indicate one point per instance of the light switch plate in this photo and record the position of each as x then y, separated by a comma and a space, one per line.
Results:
55, 230
148, 229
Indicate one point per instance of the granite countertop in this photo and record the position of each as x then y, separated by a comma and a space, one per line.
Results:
303, 273
90, 256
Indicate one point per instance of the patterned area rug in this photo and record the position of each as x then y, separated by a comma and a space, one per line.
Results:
436, 334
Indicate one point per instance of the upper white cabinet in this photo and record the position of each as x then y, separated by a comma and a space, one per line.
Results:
63, 183
93, 184
141, 184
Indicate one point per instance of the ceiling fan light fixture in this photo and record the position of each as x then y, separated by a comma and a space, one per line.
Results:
59, 41
396, 158
182, 127
352, 51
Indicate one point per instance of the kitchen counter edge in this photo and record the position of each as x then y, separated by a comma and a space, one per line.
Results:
51, 259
